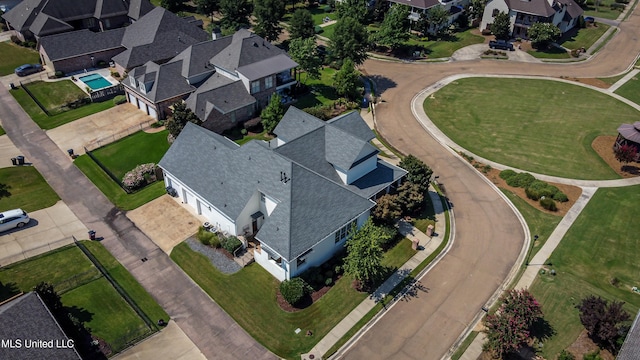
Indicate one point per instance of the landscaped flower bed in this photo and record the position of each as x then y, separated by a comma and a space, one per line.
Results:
140, 176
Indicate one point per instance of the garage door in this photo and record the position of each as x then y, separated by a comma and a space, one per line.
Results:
133, 100
152, 112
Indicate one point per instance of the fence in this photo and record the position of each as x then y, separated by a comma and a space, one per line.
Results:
107, 93
95, 144
76, 281
106, 170
26, 89
11, 258
129, 339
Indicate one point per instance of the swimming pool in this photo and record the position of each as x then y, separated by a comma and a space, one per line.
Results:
95, 81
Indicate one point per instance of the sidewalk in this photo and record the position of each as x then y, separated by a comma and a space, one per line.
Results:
369, 118
426, 246
623, 81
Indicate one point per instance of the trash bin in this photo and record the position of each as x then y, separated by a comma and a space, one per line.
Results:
13, 86
14, 161
70, 152
92, 235
20, 159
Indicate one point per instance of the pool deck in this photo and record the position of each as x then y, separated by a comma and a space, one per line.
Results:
105, 73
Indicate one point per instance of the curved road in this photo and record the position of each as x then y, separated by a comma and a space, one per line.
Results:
488, 238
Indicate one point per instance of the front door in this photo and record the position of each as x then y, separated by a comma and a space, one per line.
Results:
254, 226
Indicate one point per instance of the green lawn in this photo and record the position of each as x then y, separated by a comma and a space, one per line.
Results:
112, 191
49, 122
612, 80
550, 53
585, 37
602, 11
327, 31
249, 297
318, 14
322, 90
631, 90
601, 244
535, 125
29, 191
53, 95
426, 217
136, 149
442, 48
12, 56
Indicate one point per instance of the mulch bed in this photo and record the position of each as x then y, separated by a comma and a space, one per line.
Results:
584, 345
603, 145
304, 303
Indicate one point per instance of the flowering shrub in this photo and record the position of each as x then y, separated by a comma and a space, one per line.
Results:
140, 176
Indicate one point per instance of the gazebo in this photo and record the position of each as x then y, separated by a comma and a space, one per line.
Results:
629, 134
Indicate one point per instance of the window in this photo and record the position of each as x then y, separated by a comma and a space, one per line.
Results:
255, 86
233, 117
262, 198
268, 82
343, 232
495, 12
303, 257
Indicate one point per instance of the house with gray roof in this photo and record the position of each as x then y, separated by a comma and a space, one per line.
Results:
36, 18
419, 7
26, 320
231, 79
296, 196
631, 347
523, 13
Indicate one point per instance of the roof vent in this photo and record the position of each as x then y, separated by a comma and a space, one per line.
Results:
255, 44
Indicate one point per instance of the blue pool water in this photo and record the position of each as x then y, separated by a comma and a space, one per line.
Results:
95, 81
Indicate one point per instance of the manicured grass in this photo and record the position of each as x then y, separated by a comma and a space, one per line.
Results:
102, 309
550, 53
426, 217
136, 149
601, 244
612, 80
539, 223
631, 90
585, 37
322, 93
29, 191
327, 31
535, 125
53, 95
602, 11
112, 191
465, 344
49, 122
12, 56
318, 14
399, 254
442, 48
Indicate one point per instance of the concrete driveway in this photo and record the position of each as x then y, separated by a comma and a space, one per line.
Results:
48, 229
473, 52
77, 134
166, 221
170, 343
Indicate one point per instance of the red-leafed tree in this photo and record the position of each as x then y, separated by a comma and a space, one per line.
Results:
626, 153
604, 322
508, 329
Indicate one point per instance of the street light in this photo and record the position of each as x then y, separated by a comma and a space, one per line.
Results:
535, 238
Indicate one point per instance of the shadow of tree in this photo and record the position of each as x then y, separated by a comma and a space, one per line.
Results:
8, 290
4, 190
542, 330
382, 83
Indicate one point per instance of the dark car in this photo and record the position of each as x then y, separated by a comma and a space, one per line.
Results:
26, 69
501, 44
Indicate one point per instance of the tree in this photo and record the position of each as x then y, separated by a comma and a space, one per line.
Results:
272, 114
355, 9
301, 25
603, 321
395, 27
501, 26
347, 81
410, 197
171, 5
476, 9
508, 328
180, 117
235, 14
49, 296
626, 153
207, 7
438, 18
364, 254
379, 10
305, 52
418, 172
387, 209
268, 14
542, 34
350, 41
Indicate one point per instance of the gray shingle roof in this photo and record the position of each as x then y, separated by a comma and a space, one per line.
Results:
166, 81
110, 8
45, 24
246, 48
268, 66
225, 98
353, 124
296, 123
534, 7
573, 10
344, 150
139, 8
630, 131
631, 347
196, 57
22, 15
27, 318
377, 180
309, 207
420, 4
75, 43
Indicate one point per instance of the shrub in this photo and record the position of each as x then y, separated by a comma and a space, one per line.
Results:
616, 6
565, 355
115, 74
139, 176
206, 237
537, 189
293, 290
119, 99
243, 131
15, 40
522, 180
59, 74
592, 356
337, 269
560, 196
507, 174
328, 281
548, 204
230, 243
318, 29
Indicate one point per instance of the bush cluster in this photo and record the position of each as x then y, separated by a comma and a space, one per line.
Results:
294, 290
230, 243
139, 176
119, 99
535, 189
208, 238
522, 180
548, 204
319, 276
58, 74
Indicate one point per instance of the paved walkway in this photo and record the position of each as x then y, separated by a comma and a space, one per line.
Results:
169, 343
427, 246
623, 81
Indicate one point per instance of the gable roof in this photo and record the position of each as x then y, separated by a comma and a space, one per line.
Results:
219, 93
420, 4
22, 15
45, 24
296, 123
27, 317
165, 81
353, 124
534, 7
631, 347
573, 9
195, 58
75, 43
139, 8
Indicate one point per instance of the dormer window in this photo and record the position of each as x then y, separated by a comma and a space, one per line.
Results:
132, 81
143, 88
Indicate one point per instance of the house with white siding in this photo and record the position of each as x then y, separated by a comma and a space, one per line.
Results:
296, 196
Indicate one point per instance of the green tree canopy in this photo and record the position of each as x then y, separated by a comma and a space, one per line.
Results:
172, 5
350, 41
355, 9
301, 25
418, 172
395, 27
364, 254
305, 52
476, 9
180, 117
542, 34
207, 7
501, 26
438, 18
235, 14
272, 114
347, 81
268, 14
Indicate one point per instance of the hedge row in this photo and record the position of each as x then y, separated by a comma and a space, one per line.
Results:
535, 189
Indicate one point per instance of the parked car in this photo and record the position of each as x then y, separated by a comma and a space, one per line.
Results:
501, 44
26, 69
12, 219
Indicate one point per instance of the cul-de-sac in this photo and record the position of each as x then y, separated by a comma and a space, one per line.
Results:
319, 179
